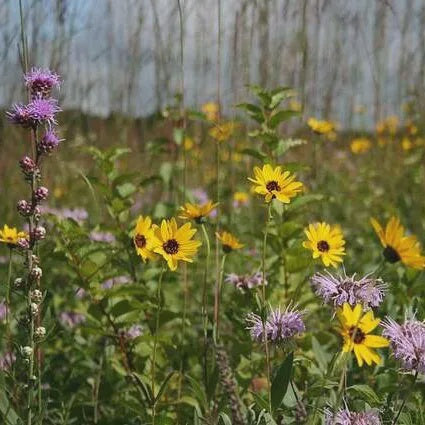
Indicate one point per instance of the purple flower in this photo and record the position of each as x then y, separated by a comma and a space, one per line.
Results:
7, 360
20, 115
280, 327
80, 293
345, 417
407, 342
43, 111
134, 331
336, 290
118, 280
200, 195
76, 214
3, 310
106, 237
48, 142
71, 318
41, 81
247, 281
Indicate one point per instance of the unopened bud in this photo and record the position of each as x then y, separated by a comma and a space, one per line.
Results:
39, 233
23, 243
33, 309
40, 332
36, 273
36, 296
19, 282
26, 352
41, 193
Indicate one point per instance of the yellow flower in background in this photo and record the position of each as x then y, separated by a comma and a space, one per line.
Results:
197, 212
175, 243
392, 124
332, 136
355, 329
11, 235
294, 105
240, 198
274, 183
360, 145
229, 242
412, 129
380, 127
210, 110
188, 143
223, 131
321, 127
144, 238
406, 144
326, 242
58, 192
397, 246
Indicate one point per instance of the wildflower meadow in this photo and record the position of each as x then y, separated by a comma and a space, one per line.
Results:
258, 261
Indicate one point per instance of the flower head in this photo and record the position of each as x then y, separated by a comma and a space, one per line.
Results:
144, 238
321, 127
337, 290
48, 142
229, 242
210, 110
223, 131
397, 246
345, 417
247, 281
360, 145
240, 199
41, 81
273, 183
175, 243
43, 111
197, 212
280, 327
11, 236
355, 329
407, 342
326, 242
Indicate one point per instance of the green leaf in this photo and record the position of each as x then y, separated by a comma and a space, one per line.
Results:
253, 111
254, 153
226, 420
166, 171
125, 190
164, 386
7, 411
366, 393
282, 115
281, 381
319, 354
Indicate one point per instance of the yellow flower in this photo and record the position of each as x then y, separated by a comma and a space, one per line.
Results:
392, 124
175, 243
228, 242
325, 241
397, 246
406, 144
273, 183
360, 145
188, 143
197, 212
321, 127
10, 235
355, 329
222, 132
240, 198
210, 110
144, 238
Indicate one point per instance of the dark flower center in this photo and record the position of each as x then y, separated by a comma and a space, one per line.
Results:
323, 246
391, 255
171, 246
227, 248
140, 241
356, 335
272, 185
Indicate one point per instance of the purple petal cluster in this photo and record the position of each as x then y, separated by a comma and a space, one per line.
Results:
105, 237
407, 342
76, 214
71, 318
41, 81
244, 282
345, 417
279, 327
134, 331
337, 290
118, 280
48, 142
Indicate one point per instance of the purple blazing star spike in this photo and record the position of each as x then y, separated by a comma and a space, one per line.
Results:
280, 326
407, 342
43, 111
48, 142
41, 81
336, 290
345, 417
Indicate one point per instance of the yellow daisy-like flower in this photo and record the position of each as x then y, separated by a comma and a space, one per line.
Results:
11, 235
210, 110
175, 243
222, 132
273, 183
397, 246
355, 329
229, 242
326, 242
144, 238
240, 198
321, 126
197, 212
406, 144
360, 145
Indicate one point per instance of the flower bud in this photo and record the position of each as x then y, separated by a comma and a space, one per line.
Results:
33, 309
27, 165
35, 260
36, 273
40, 332
36, 296
19, 282
26, 352
37, 213
23, 243
24, 208
39, 233
41, 193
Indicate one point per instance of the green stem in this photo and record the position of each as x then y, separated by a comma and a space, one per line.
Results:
406, 396
9, 277
263, 287
155, 341
217, 303
205, 301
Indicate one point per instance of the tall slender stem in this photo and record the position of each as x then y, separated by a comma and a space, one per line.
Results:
217, 300
9, 276
155, 341
406, 396
263, 287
